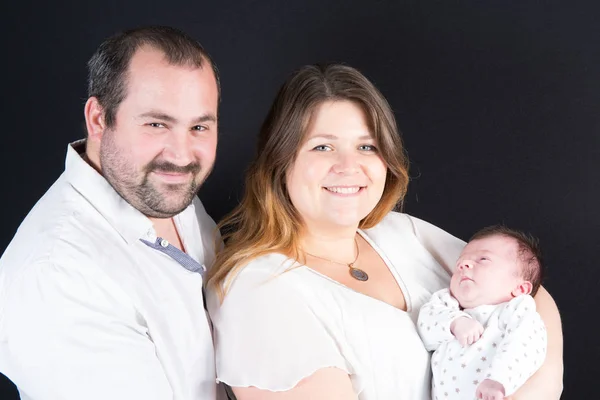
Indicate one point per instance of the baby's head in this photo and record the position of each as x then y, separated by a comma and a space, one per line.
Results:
497, 265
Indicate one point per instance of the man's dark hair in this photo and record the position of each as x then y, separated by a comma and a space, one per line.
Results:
107, 79
529, 252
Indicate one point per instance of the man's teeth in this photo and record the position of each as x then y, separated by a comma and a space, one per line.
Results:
344, 190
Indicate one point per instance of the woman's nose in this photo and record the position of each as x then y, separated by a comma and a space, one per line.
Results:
346, 163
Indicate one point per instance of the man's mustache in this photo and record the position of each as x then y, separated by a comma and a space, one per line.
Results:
168, 167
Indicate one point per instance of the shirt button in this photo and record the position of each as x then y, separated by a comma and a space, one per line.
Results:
164, 243
150, 235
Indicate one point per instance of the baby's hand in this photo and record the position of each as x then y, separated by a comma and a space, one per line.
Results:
466, 330
490, 390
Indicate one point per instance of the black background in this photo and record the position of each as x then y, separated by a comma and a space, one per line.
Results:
498, 101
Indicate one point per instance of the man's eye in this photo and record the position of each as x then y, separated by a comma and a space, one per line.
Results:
484, 259
156, 125
199, 128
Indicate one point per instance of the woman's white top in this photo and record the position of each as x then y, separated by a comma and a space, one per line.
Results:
282, 321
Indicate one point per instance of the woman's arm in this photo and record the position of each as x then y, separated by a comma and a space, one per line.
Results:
547, 382
325, 384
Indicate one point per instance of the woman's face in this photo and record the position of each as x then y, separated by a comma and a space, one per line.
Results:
338, 176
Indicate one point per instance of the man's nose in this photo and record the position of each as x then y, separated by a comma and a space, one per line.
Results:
178, 149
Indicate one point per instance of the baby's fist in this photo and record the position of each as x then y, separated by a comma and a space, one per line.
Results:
490, 390
466, 330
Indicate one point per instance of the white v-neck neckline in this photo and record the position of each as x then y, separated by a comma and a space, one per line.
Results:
389, 266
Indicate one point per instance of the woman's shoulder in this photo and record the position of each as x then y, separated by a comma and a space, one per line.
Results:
268, 265
404, 235
262, 284
401, 224
397, 222
264, 272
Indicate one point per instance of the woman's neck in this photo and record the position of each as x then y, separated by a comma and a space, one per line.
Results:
338, 244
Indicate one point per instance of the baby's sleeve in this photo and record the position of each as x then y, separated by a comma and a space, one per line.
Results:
268, 336
522, 349
435, 318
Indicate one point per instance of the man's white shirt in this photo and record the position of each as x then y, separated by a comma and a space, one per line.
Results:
90, 311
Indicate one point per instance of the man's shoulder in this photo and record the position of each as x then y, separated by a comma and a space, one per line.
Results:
46, 291
61, 229
54, 255
63, 246
55, 221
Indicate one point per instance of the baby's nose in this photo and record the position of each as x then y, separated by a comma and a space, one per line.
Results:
465, 265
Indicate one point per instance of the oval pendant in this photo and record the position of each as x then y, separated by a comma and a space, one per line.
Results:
359, 274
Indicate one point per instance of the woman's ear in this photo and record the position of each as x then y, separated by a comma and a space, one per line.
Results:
523, 288
94, 119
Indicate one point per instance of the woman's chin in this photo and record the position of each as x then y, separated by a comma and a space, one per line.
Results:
345, 222
336, 220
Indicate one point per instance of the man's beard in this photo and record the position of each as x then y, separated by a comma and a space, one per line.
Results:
152, 197
145, 196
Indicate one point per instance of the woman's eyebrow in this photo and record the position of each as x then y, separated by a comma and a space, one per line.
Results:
329, 136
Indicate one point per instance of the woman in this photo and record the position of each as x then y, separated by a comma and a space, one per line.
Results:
317, 290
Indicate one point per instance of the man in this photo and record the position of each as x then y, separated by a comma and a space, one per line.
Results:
101, 287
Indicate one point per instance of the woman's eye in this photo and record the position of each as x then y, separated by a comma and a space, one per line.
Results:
322, 147
484, 259
367, 147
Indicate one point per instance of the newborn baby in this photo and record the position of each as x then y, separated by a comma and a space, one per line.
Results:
486, 335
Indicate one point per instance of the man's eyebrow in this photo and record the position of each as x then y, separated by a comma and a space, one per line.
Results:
158, 115
205, 118
166, 117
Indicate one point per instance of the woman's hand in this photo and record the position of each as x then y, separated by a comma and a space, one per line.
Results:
325, 384
547, 382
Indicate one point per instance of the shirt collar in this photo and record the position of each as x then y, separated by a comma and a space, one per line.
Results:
130, 223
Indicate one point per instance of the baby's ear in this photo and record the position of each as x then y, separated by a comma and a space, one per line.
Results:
523, 288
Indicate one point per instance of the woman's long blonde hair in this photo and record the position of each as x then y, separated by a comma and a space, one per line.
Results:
265, 221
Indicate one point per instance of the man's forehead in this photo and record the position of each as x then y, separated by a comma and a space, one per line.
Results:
146, 60
146, 54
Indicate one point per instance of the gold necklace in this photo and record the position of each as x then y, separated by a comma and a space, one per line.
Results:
356, 273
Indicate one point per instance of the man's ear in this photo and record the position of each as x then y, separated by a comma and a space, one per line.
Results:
94, 119
523, 288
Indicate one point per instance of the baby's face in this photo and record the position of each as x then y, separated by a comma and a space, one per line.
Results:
487, 272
